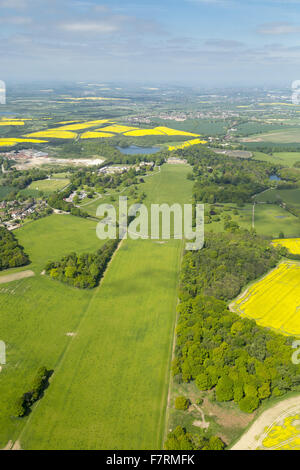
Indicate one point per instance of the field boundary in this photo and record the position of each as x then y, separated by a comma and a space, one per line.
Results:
172, 348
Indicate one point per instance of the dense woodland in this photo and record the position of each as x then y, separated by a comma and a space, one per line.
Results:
179, 439
22, 179
11, 253
228, 262
85, 270
241, 361
219, 178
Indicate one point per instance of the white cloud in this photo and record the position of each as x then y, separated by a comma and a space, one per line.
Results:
13, 4
15, 20
102, 27
278, 28
224, 43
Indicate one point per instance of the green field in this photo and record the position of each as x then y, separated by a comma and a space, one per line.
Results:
289, 196
110, 381
285, 159
48, 186
4, 191
283, 136
271, 219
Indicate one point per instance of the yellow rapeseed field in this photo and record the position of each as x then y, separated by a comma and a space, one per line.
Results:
285, 436
188, 143
116, 129
144, 132
83, 125
10, 142
11, 123
95, 135
168, 131
158, 131
274, 301
53, 134
292, 244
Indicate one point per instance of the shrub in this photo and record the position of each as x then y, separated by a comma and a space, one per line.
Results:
182, 403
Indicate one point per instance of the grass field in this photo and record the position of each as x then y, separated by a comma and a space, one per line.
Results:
274, 301
286, 159
36, 313
110, 381
284, 136
289, 196
48, 186
271, 220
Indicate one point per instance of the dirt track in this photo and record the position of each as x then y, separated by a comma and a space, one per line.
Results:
257, 432
16, 276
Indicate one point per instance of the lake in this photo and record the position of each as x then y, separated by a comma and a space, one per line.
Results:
275, 178
135, 150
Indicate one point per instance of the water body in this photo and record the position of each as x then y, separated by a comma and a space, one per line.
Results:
135, 150
275, 178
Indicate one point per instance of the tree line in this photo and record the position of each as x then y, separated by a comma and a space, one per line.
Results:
11, 253
39, 384
82, 270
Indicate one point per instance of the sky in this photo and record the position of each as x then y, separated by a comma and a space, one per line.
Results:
212, 43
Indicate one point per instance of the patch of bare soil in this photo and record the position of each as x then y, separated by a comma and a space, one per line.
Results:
16, 276
17, 446
200, 424
227, 418
8, 446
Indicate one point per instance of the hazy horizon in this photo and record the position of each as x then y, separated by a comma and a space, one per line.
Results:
211, 43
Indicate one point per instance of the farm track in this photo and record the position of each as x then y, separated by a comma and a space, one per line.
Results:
254, 437
16, 276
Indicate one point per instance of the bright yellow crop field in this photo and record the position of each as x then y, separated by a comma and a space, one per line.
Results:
95, 135
168, 131
118, 129
15, 119
11, 123
159, 131
188, 143
144, 132
54, 134
274, 301
285, 436
292, 244
84, 125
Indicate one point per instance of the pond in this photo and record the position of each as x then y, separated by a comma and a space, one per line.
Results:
135, 150
275, 178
